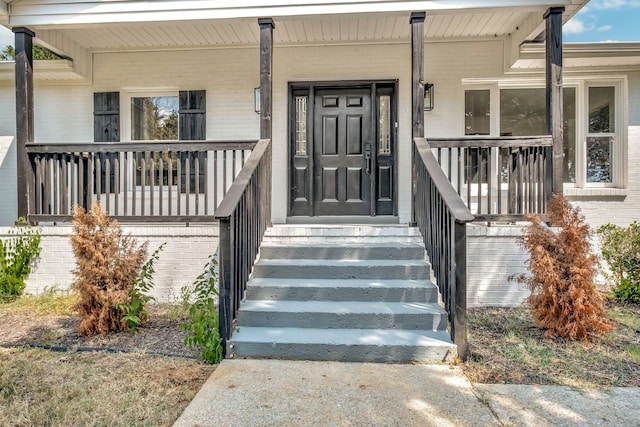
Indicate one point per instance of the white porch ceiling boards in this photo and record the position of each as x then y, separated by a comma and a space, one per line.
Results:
289, 30
69, 12
321, 29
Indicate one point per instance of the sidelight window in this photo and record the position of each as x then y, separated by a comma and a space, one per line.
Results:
384, 124
301, 125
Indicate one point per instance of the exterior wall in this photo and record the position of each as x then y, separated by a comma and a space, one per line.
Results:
65, 113
8, 181
621, 210
183, 258
492, 256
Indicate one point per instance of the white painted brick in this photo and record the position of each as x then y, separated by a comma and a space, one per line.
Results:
185, 254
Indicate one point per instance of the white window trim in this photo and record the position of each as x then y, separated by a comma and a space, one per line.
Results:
125, 106
619, 184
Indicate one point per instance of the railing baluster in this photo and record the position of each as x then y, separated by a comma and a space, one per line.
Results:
244, 215
69, 174
441, 216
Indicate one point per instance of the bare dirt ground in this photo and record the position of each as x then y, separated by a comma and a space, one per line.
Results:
159, 335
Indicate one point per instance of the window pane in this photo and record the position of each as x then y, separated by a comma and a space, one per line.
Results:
301, 125
154, 118
384, 131
599, 159
522, 112
569, 118
601, 109
477, 112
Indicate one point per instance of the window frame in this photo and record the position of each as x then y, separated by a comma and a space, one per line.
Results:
619, 167
125, 108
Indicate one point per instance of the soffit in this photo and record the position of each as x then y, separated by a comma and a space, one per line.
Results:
293, 30
582, 56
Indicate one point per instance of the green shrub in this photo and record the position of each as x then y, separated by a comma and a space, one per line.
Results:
133, 310
620, 248
17, 254
202, 326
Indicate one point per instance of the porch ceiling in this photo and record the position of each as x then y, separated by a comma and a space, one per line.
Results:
440, 24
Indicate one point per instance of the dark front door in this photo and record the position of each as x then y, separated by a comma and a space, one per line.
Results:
342, 149
342, 152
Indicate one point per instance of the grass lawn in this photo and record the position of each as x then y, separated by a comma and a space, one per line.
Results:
40, 387
506, 347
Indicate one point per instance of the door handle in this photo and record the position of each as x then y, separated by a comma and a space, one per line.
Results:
367, 158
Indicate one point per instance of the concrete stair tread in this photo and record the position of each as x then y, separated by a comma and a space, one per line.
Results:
340, 283
277, 244
343, 262
342, 307
349, 337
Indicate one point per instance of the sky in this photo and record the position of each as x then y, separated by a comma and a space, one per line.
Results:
605, 20
599, 21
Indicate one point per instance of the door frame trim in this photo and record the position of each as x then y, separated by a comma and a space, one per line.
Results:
310, 87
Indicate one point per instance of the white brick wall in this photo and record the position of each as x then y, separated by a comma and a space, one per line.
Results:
183, 258
8, 181
492, 256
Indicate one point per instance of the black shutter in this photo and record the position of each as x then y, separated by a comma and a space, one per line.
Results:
193, 127
106, 128
106, 117
193, 115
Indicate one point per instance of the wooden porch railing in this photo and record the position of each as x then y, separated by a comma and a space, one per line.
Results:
155, 181
498, 178
244, 215
441, 216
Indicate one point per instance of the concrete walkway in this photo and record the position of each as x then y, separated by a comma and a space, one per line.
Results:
302, 393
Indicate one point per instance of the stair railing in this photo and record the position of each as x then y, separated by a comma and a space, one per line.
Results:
244, 215
441, 216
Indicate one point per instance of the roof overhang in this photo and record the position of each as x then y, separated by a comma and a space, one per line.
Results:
4, 12
58, 70
582, 56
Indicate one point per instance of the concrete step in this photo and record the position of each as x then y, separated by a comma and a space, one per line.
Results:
344, 314
352, 251
342, 290
335, 234
348, 345
342, 269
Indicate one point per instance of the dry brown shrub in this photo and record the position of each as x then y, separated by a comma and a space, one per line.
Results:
564, 300
107, 263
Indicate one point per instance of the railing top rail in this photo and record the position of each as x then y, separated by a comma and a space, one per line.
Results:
453, 201
491, 142
116, 147
232, 198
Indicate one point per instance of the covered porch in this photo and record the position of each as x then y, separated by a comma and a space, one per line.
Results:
437, 179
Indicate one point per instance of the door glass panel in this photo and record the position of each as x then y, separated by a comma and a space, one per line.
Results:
601, 109
384, 125
154, 118
477, 112
301, 125
599, 159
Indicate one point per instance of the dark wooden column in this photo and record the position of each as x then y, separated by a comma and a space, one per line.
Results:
417, 74
266, 62
24, 115
553, 16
